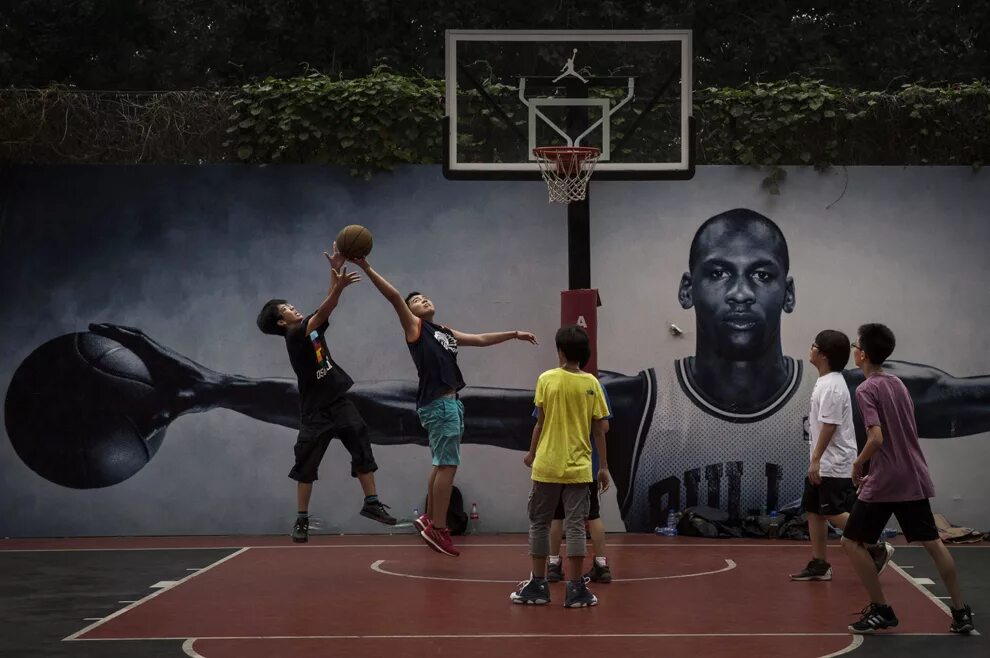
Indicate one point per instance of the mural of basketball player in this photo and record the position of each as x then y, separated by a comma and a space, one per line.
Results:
725, 428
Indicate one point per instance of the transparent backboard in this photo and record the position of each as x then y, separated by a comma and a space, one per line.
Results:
627, 93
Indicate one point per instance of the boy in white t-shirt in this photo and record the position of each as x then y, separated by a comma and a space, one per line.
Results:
829, 493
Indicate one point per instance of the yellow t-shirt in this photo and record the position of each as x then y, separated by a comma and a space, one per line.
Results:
570, 401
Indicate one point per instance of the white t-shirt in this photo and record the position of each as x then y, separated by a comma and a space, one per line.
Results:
830, 403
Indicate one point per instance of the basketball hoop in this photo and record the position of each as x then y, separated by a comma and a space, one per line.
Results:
567, 169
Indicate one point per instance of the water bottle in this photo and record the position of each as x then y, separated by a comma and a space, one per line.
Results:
889, 533
669, 530
474, 520
415, 513
773, 529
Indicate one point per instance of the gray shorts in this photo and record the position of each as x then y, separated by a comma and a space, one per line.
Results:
543, 501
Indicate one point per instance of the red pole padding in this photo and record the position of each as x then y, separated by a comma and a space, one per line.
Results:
580, 307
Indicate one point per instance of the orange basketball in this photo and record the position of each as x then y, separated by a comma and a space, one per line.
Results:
354, 241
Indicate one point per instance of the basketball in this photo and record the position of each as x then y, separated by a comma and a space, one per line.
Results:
82, 412
354, 241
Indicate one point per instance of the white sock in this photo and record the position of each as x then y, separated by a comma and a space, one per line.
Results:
554, 559
601, 560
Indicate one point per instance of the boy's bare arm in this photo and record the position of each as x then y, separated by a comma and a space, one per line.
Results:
599, 428
485, 340
409, 322
340, 278
535, 440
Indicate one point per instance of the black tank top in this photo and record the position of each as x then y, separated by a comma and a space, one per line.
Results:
435, 356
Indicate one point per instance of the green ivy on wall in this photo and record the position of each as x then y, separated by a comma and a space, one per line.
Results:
373, 123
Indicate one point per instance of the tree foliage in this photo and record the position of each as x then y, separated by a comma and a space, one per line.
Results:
375, 122
182, 44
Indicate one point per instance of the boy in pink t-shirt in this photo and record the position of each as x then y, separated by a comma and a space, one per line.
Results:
898, 483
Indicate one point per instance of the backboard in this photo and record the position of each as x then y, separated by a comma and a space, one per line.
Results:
625, 92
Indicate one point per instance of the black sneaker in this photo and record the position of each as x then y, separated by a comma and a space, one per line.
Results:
531, 592
962, 620
579, 596
881, 554
376, 512
300, 533
875, 617
555, 572
816, 570
598, 574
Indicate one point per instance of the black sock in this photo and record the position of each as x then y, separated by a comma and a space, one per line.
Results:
302, 514
370, 499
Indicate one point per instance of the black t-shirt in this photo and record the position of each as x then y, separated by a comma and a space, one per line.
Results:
321, 380
435, 356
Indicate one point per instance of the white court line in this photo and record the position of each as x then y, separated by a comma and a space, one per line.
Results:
924, 581
164, 584
854, 644
126, 601
496, 636
75, 636
192, 569
187, 648
92, 618
789, 544
377, 566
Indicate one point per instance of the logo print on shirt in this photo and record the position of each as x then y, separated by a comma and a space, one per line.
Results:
322, 358
448, 342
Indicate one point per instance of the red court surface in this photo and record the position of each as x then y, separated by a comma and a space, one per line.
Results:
390, 596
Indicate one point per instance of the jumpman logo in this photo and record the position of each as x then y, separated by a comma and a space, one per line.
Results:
568, 69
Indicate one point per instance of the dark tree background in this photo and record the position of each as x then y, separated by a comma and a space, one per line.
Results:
181, 44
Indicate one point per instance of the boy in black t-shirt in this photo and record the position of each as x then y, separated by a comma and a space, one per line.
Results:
325, 410
433, 348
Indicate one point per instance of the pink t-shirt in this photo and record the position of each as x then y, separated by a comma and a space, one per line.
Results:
898, 470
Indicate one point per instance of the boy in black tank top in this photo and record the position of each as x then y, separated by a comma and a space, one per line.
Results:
434, 351
325, 410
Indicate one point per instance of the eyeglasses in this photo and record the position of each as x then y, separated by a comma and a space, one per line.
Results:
814, 346
856, 345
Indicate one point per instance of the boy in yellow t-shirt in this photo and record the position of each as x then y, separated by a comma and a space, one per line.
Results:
570, 406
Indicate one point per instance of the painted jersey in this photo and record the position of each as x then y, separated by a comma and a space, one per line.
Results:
691, 452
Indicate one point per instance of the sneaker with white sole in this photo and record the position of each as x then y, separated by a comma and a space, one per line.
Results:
875, 617
531, 592
881, 554
439, 540
579, 596
816, 570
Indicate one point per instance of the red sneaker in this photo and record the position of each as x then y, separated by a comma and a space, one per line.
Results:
439, 540
422, 522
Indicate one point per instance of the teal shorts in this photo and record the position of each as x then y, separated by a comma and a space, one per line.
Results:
444, 422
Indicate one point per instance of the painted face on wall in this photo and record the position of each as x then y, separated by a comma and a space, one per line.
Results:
738, 287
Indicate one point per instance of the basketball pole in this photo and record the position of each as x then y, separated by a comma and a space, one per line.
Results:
579, 303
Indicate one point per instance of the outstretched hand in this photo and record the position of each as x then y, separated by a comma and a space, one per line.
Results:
526, 336
182, 381
361, 262
335, 258
342, 278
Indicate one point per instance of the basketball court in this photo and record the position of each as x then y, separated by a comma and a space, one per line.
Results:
390, 595
564, 107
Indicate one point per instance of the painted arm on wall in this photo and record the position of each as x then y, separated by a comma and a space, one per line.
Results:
85, 412
945, 406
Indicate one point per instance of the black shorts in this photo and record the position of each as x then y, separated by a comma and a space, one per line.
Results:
833, 496
593, 514
867, 521
339, 419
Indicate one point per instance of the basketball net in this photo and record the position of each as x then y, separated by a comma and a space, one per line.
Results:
567, 170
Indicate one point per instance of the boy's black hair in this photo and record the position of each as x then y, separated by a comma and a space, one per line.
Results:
573, 341
411, 295
269, 316
877, 341
835, 346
